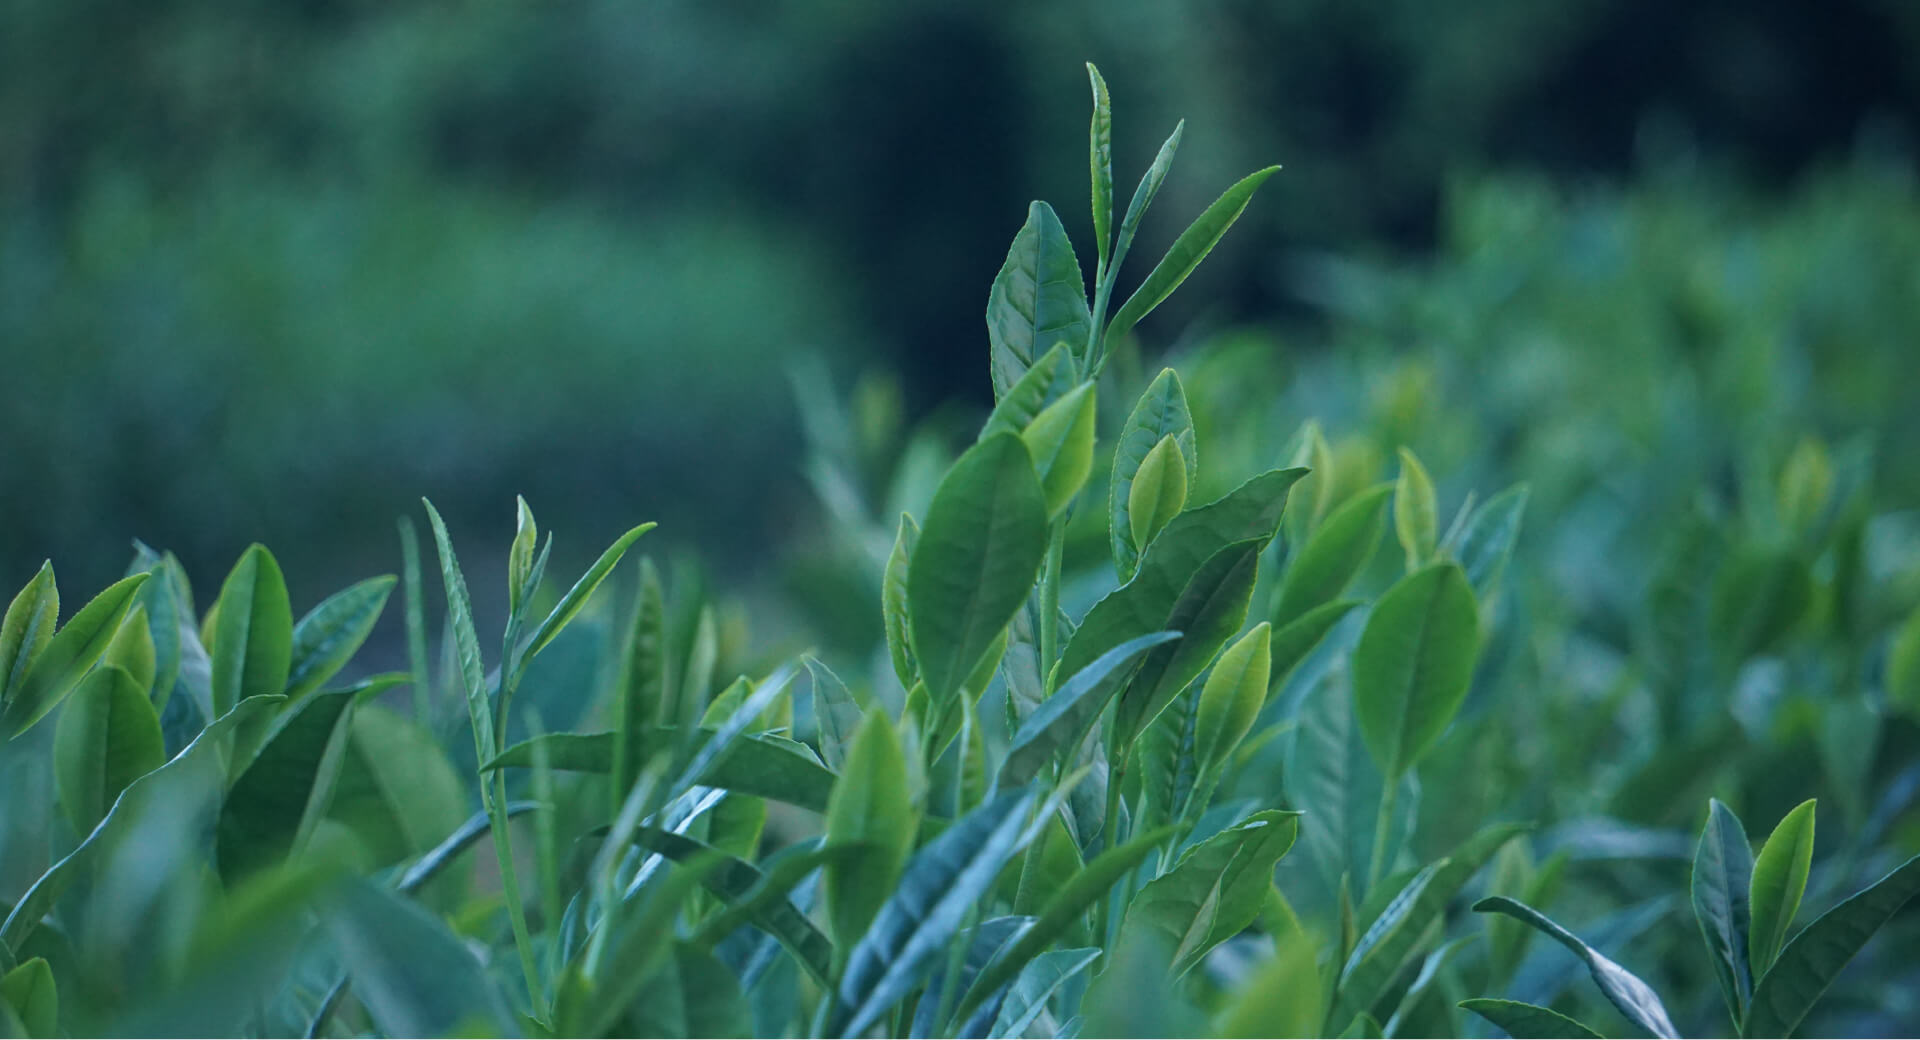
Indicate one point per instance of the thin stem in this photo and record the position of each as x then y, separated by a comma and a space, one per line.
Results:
1116, 777
1048, 621
496, 800
1381, 824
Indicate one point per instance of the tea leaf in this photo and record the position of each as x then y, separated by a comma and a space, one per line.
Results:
1187, 251
1330, 771
1038, 299
466, 639
29, 991
1064, 719
941, 883
1415, 513
576, 598
984, 940
1485, 543
108, 737
1060, 441
251, 638
1100, 158
1159, 491
67, 655
1779, 879
1759, 595
331, 633
1214, 890
1035, 985
1722, 874
1294, 641
1524, 1021
1143, 194
975, 560
641, 692
414, 977
26, 628
870, 806
693, 994
1337, 551
1209, 611
280, 798
1161, 412
132, 648
1634, 998
741, 883
893, 604
1809, 964
526, 535
1281, 997
1903, 666
836, 715
1413, 664
1232, 697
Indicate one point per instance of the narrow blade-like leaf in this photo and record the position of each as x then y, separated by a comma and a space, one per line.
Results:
1814, 958
67, 656
1064, 719
327, 637
1524, 1021
1187, 251
1779, 880
1634, 998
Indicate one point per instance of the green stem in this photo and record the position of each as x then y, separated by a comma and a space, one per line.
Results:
1381, 824
1048, 621
1116, 777
496, 800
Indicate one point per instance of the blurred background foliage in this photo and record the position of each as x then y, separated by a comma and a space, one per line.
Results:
272, 271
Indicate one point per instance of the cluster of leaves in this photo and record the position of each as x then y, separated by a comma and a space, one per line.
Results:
1063, 803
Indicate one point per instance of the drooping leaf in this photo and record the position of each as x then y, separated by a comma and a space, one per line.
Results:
283, 795
1722, 873
975, 560
1338, 549
1415, 512
1060, 442
1038, 299
576, 598
328, 636
413, 975
941, 883
1187, 251
1779, 880
1064, 719
1161, 412
1214, 890
870, 806
251, 639
1414, 663
1524, 1021
108, 737
28, 624
1634, 998
67, 655
759, 764
1809, 964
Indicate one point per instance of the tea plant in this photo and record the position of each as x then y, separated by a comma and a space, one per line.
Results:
1064, 802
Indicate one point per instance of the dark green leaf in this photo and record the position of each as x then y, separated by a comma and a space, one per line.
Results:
1487, 540
835, 713
1214, 890
1527, 1021
1722, 872
693, 994
1064, 719
1634, 998
1759, 595
326, 639
1100, 159
737, 881
1038, 299
108, 737
1338, 549
1161, 412
251, 638
1330, 771
1294, 641
466, 639
1187, 251
282, 796
1209, 611
1779, 880
1808, 965
67, 655
397, 791
1143, 194
975, 560
1413, 665
982, 942
576, 598
644, 682
893, 604
760, 764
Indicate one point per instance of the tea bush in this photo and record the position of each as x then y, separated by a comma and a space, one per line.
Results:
1144, 746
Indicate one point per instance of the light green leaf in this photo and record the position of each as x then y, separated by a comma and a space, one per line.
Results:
30, 992
1297, 638
871, 807
251, 638
1233, 695
108, 737
975, 560
526, 536
1050, 379
1814, 958
132, 649
413, 975
283, 795
1722, 873
1159, 491
1143, 194
1063, 720
397, 791
1413, 664
1161, 412
576, 598
758, 764
1100, 159
1338, 549
1779, 880
893, 604
1214, 890
942, 883
1038, 299
28, 625
166, 600
329, 635
836, 715
1415, 511
1062, 912
1524, 1021
1035, 985
1282, 997
1187, 251
1634, 998
1060, 442
66, 656
466, 639
643, 681
1903, 666
1209, 611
